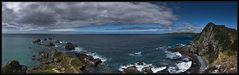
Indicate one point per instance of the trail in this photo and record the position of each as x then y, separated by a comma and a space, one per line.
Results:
73, 67
54, 69
203, 63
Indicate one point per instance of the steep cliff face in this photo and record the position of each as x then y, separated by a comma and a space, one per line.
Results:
219, 45
214, 39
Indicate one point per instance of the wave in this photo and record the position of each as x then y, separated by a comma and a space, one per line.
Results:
63, 42
180, 67
156, 69
56, 46
173, 55
78, 49
181, 45
95, 56
136, 54
163, 48
140, 67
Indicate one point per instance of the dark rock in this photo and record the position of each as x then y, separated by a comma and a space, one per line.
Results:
33, 57
44, 39
84, 56
57, 41
43, 56
36, 41
140, 63
97, 62
50, 44
148, 70
83, 68
131, 70
69, 46
76, 46
49, 38
13, 67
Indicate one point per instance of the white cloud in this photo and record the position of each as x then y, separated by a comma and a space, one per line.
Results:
76, 14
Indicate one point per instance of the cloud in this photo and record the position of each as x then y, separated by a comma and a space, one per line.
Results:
137, 28
63, 30
184, 27
43, 15
187, 27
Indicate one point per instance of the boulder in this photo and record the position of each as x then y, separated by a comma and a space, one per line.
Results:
148, 70
140, 63
69, 46
131, 70
97, 61
76, 46
57, 41
83, 56
13, 67
36, 41
50, 44
83, 68
49, 38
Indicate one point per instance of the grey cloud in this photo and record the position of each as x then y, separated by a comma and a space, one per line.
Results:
38, 18
187, 27
72, 14
138, 28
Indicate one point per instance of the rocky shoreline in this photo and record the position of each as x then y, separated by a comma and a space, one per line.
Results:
55, 61
212, 51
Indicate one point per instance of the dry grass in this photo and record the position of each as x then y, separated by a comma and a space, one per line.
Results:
228, 63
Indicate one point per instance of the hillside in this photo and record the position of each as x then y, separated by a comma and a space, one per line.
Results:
217, 43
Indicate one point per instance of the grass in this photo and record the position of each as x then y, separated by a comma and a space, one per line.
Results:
67, 62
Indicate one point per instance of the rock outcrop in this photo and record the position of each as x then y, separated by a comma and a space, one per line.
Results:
13, 67
36, 41
69, 46
131, 70
89, 59
148, 70
214, 39
216, 42
43, 57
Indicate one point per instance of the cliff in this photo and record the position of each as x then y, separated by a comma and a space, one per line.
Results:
14, 67
214, 43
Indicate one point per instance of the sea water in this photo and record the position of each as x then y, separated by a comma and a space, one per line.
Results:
116, 50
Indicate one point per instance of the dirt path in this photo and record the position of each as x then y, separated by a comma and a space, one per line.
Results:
74, 69
203, 63
54, 69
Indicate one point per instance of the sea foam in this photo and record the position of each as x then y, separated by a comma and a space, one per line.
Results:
140, 67
173, 55
95, 56
180, 67
135, 54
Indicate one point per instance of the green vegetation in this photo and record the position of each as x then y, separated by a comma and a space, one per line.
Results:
219, 43
67, 64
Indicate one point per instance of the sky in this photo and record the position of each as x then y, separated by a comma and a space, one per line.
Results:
115, 17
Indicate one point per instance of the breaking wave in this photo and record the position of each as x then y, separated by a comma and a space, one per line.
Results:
95, 56
135, 54
173, 55
180, 67
140, 67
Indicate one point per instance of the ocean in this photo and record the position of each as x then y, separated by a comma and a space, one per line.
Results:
116, 50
